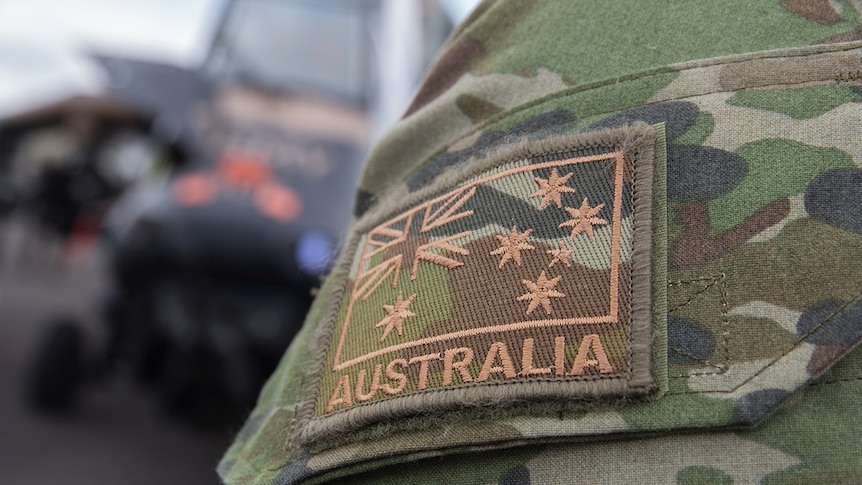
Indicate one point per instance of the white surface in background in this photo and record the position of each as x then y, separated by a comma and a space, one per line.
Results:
42, 41
401, 44
458, 10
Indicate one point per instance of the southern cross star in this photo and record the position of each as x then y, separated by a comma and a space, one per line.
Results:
551, 188
511, 246
540, 293
583, 219
395, 315
561, 255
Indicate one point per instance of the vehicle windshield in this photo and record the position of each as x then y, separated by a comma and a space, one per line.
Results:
294, 45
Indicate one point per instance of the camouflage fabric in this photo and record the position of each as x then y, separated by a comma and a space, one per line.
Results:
760, 106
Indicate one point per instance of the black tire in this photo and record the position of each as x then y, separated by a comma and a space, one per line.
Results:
57, 370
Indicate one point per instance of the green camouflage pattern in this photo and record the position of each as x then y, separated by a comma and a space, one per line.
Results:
761, 103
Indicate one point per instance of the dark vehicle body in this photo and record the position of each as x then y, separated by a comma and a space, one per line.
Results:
214, 259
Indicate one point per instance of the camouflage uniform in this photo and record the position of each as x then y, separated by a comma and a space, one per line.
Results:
511, 186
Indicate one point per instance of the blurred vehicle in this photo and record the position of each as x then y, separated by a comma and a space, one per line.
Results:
222, 194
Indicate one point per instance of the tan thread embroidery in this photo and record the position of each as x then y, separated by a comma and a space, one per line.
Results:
423, 367
394, 231
377, 275
475, 320
445, 212
395, 315
511, 246
541, 293
449, 364
600, 358
342, 394
583, 219
498, 362
551, 188
423, 253
527, 352
561, 255
360, 393
497, 351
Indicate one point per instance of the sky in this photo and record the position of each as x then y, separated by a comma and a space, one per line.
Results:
41, 41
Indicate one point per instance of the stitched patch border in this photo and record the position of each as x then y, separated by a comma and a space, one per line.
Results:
389, 223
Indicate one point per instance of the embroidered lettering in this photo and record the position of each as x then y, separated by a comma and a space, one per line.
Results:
360, 384
592, 343
527, 368
560, 355
423, 367
395, 375
497, 351
498, 364
449, 364
341, 395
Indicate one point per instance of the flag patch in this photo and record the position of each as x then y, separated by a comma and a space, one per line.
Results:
527, 277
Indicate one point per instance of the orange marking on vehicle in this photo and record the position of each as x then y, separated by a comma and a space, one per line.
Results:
244, 171
278, 202
195, 189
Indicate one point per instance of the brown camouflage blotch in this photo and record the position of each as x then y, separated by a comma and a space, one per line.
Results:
697, 245
477, 109
824, 356
820, 11
473, 291
771, 72
453, 63
849, 37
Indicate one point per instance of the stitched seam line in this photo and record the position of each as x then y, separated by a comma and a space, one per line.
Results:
673, 68
635, 157
837, 381
719, 368
800, 341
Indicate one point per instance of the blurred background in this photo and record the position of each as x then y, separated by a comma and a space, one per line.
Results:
175, 180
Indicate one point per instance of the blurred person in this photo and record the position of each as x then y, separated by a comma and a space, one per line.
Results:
608, 242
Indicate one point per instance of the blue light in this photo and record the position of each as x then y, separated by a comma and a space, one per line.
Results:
314, 252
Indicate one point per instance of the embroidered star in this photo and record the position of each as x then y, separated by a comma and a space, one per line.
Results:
561, 255
395, 315
583, 219
511, 246
540, 293
551, 188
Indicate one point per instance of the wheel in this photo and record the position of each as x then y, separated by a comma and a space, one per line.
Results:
57, 370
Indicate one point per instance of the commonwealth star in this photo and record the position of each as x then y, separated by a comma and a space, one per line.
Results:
551, 188
583, 219
540, 293
512, 245
562, 255
395, 315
